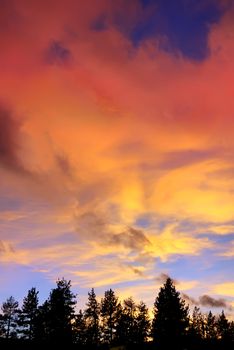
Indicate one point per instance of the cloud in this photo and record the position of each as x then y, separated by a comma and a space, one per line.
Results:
6, 247
131, 238
57, 54
124, 133
64, 164
7, 215
162, 277
189, 299
206, 300
228, 250
10, 134
177, 159
225, 288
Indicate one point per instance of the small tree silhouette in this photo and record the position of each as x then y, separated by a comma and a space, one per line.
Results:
9, 317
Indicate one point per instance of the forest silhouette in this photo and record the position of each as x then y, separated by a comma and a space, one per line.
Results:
111, 324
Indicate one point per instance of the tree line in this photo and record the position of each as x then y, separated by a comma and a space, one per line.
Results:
110, 323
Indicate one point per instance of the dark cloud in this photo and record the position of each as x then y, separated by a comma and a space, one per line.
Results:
131, 238
57, 54
189, 299
206, 300
64, 164
163, 277
94, 225
10, 133
100, 23
136, 270
91, 225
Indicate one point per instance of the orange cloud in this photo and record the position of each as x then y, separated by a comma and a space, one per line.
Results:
107, 136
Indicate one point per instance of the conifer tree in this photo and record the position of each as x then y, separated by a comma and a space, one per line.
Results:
198, 323
43, 323
109, 311
61, 313
9, 319
142, 323
224, 330
129, 311
126, 325
170, 317
80, 330
210, 327
29, 313
91, 315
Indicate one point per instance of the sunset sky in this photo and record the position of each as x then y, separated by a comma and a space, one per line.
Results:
117, 148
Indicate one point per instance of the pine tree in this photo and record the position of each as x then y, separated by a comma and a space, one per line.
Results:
91, 315
10, 317
170, 317
126, 322
42, 323
129, 311
80, 329
61, 313
29, 313
142, 323
224, 330
198, 323
109, 312
210, 327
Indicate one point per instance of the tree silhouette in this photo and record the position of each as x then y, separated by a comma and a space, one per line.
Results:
109, 311
61, 313
80, 329
142, 323
110, 323
9, 317
91, 315
224, 330
28, 314
126, 325
42, 323
170, 317
198, 323
210, 327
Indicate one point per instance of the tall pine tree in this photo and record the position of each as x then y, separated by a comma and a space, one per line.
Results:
170, 318
80, 330
61, 313
29, 314
142, 323
224, 331
109, 311
91, 315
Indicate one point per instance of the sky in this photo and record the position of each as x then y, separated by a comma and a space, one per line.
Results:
116, 148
